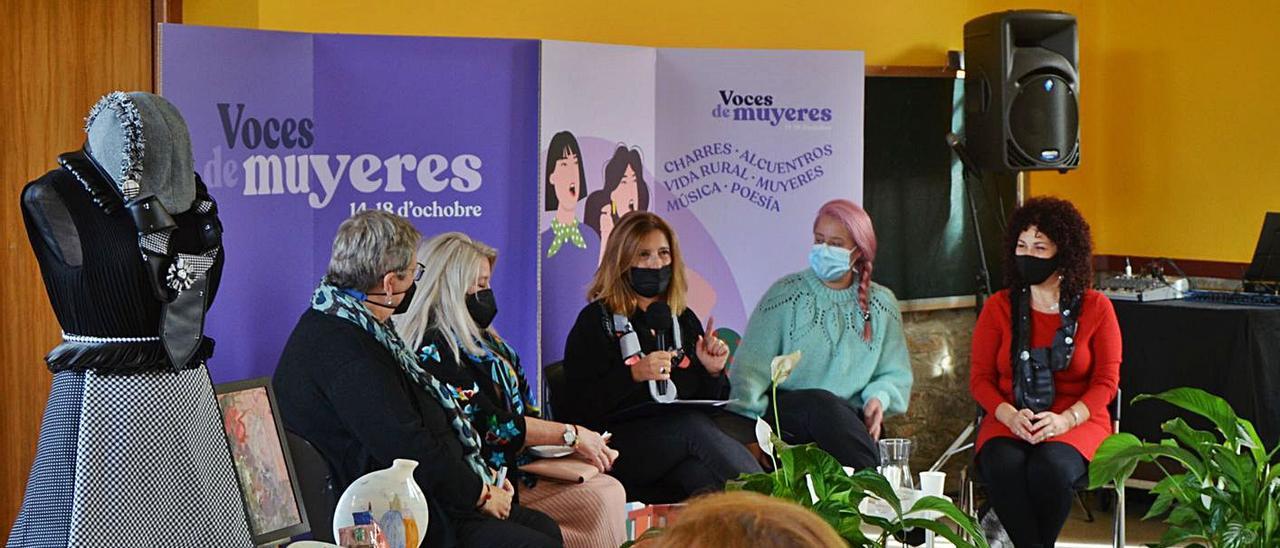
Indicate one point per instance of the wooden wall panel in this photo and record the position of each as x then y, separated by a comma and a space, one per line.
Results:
56, 58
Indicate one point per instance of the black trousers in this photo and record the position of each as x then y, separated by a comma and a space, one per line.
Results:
669, 457
818, 416
1031, 487
524, 528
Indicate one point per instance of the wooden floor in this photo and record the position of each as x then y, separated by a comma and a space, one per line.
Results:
1079, 532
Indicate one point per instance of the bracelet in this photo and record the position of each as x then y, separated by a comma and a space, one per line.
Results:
1075, 416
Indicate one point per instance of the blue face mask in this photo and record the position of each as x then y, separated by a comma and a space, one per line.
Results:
828, 262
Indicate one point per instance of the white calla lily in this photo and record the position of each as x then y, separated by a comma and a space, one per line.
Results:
782, 366
764, 436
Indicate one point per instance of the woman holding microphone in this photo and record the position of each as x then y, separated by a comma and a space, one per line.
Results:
638, 301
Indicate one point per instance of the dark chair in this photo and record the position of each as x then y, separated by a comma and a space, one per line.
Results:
971, 480
554, 387
315, 480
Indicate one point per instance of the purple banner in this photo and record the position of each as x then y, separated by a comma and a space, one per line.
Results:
294, 132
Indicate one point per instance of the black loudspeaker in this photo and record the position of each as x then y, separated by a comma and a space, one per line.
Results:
1021, 91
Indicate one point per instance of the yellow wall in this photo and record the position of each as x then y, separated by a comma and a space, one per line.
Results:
911, 32
221, 13
1178, 114
1181, 127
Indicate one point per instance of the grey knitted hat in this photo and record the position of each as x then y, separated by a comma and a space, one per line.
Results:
141, 142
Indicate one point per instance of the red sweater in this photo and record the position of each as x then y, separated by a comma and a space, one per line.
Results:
1091, 377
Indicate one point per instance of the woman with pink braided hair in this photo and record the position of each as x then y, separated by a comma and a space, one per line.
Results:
854, 368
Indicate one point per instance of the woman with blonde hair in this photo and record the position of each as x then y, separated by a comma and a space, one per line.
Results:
348, 383
450, 323
744, 518
637, 329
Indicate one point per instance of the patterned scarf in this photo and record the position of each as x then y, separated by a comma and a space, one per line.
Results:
503, 363
1033, 368
336, 302
565, 233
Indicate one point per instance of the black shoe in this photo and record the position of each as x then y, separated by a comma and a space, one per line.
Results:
914, 537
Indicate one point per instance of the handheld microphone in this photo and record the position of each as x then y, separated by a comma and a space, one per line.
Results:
658, 316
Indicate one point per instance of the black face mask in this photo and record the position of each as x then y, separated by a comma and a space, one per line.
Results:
650, 282
1035, 270
482, 307
404, 303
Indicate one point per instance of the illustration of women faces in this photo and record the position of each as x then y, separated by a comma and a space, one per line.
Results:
625, 186
598, 216
571, 253
564, 185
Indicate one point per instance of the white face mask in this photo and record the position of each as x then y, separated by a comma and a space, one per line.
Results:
829, 262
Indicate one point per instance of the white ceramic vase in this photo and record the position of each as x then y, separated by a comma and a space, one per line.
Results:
393, 498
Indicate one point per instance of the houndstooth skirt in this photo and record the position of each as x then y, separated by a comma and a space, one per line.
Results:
131, 460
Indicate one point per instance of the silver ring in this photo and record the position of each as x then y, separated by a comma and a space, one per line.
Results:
662, 371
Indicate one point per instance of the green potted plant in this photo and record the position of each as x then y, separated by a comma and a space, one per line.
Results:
814, 479
1224, 491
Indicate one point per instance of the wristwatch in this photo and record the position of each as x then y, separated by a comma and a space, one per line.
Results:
570, 435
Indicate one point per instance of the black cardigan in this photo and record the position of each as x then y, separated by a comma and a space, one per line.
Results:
489, 407
600, 384
344, 392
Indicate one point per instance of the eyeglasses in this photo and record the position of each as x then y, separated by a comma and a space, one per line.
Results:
418, 269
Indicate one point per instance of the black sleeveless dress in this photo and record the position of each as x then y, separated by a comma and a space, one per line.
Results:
132, 449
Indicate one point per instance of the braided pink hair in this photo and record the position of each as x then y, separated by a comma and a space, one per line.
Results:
858, 223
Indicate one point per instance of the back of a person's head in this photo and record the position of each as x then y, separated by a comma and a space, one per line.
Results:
744, 518
369, 245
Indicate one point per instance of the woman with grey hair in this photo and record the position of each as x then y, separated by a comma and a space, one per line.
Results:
451, 324
347, 383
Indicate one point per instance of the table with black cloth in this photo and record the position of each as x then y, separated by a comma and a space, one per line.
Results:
1232, 351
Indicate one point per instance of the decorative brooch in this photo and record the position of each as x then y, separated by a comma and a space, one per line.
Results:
180, 278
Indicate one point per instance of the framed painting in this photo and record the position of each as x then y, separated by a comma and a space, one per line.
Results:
268, 485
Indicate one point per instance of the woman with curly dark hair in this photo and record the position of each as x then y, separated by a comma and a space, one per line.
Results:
1045, 364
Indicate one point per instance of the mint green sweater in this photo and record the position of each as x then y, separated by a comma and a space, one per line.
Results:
800, 313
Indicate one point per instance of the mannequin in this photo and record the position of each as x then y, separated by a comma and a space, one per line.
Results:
131, 449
